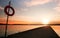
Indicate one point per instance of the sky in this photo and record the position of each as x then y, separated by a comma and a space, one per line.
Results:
32, 10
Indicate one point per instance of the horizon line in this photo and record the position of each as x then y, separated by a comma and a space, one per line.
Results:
30, 24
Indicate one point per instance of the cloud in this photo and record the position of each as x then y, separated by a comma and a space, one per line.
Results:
1, 8
57, 8
37, 2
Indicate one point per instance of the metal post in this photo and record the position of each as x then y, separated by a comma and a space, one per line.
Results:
6, 28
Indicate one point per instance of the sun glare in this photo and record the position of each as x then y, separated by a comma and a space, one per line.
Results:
45, 21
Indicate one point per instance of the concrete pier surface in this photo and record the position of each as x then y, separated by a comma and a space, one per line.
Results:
42, 32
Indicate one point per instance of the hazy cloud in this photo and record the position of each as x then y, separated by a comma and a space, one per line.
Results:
37, 2
57, 8
1, 8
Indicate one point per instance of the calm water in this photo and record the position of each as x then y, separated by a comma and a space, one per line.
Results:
20, 28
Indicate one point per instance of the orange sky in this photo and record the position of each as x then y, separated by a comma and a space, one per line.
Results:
2, 20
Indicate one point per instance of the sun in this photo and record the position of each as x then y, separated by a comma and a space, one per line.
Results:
45, 21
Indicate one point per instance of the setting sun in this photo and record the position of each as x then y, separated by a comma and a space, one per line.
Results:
45, 21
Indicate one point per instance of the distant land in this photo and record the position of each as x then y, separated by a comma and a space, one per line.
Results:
29, 24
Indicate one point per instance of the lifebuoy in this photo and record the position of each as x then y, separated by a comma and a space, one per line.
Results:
9, 7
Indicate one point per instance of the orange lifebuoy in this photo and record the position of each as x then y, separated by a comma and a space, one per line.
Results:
9, 7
